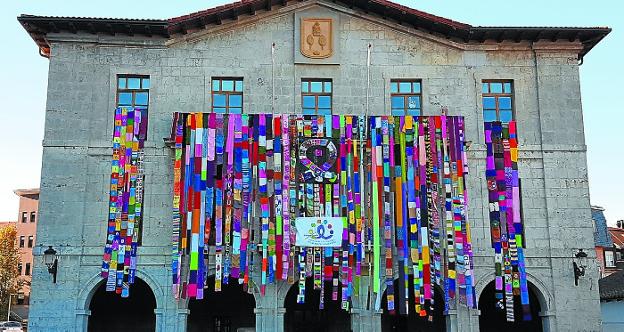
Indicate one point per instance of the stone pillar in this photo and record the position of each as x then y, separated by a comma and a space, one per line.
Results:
452, 324
266, 319
366, 320
82, 319
279, 319
181, 319
548, 320
160, 321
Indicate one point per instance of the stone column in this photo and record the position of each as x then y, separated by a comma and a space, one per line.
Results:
452, 324
366, 320
548, 320
160, 321
82, 319
181, 319
279, 319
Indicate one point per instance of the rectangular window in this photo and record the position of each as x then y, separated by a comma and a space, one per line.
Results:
227, 95
316, 96
22, 240
31, 241
609, 261
24, 216
497, 97
133, 91
27, 269
32, 216
19, 268
405, 97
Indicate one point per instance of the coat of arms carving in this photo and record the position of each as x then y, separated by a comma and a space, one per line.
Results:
316, 37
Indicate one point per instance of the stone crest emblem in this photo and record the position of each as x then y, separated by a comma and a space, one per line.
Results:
316, 38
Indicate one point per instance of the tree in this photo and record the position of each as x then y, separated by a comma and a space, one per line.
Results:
9, 260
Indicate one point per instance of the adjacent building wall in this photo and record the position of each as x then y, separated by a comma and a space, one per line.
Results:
79, 125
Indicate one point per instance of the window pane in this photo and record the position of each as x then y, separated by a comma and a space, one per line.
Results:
134, 83
218, 100
227, 85
328, 86
215, 85
141, 98
316, 87
414, 112
305, 87
121, 83
146, 83
324, 101
398, 102
489, 115
218, 110
309, 102
239, 86
416, 87
236, 110
484, 88
506, 115
394, 87
413, 102
308, 111
507, 87
324, 111
405, 87
236, 101
496, 87
504, 102
125, 98
398, 111
489, 103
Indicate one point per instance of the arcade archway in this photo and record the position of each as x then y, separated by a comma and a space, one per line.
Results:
493, 319
391, 322
228, 310
308, 317
111, 312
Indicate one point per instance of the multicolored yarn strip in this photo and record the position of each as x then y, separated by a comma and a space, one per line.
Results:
125, 202
398, 183
507, 229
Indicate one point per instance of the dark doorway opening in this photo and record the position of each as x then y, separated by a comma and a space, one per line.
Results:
413, 321
307, 317
493, 319
111, 312
229, 310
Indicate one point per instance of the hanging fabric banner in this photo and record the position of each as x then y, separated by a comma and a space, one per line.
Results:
319, 231
125, 201
333, 198
507, 229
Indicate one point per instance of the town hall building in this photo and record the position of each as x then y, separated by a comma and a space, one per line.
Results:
257, 59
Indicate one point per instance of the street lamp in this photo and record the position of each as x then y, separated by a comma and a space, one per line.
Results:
51, 261
579, 268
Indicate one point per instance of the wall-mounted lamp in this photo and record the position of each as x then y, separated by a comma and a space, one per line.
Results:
579, 265
51, 261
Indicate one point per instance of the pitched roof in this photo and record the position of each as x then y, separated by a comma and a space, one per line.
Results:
39, 26
612, 286
617, 235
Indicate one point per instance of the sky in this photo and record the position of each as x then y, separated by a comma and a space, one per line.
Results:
23, 78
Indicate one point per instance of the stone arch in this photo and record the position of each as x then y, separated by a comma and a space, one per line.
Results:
544, 296
86, 293
540, 302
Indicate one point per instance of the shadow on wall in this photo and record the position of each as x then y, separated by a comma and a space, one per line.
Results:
111, 312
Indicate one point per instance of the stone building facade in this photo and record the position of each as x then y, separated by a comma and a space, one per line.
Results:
181, 56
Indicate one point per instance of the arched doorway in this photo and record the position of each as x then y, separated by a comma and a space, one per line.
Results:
308, 317
413, 321
111, 312
226, 311
493, 319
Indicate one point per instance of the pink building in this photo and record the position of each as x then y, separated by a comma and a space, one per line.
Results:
26, 228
